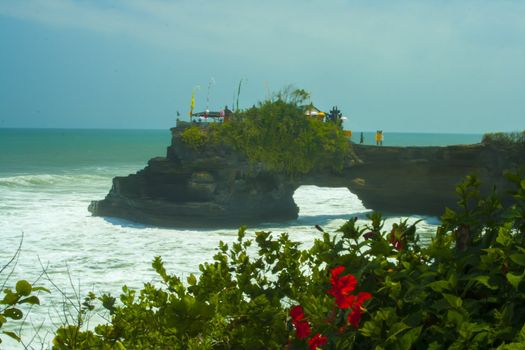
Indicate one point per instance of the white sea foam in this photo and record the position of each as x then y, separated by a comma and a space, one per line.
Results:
47, 179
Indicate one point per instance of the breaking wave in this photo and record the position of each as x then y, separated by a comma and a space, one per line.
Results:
48, 180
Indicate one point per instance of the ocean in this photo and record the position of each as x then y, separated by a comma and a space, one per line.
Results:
48, 178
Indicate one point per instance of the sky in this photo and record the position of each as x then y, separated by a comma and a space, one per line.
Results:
406, 66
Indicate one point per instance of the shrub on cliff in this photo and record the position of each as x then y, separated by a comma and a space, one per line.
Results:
194, 137
363, 287
278, 134
505, 139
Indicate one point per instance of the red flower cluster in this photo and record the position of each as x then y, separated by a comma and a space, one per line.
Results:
317, 341
303, 330
341, 289
357, 302
302, 326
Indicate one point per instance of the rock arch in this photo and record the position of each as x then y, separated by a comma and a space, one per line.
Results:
216, 187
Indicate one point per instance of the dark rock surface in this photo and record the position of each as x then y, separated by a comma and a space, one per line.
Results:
217, 187
422, 180
213, 187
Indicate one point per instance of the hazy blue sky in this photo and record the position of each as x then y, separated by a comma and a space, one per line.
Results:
426, 66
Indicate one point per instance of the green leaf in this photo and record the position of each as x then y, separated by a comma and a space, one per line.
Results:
439, 286
35, 289
23, 288
395, 329
192, 280
518, 259
522, 184
455, 317
13, 313
10, 298
379, 248
514, 280
30, 300
453, 300
448, 215
435, 346
522, 333
484, 280
504, 238
408, 339
512, 346
13, 335
370, 329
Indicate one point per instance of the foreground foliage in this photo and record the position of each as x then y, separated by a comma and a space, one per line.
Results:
14, 301
362, 287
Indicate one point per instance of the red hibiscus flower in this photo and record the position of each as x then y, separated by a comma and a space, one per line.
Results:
317, 341
355, 315
303, 329
297, 313
342, 287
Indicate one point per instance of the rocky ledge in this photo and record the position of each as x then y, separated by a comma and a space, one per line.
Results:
211, 187
218, 187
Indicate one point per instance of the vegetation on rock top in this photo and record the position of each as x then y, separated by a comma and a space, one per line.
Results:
278, 134
505, 139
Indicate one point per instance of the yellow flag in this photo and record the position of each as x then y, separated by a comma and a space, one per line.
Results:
192, 104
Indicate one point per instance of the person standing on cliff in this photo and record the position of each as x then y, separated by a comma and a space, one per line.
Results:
361, 139
378, 136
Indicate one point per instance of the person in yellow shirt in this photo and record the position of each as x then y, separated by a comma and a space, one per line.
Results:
379, 138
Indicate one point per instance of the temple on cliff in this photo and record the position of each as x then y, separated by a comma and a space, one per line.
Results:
333, 116
221, 116
315, 112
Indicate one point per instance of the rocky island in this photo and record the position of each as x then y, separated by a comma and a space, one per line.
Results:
217, 186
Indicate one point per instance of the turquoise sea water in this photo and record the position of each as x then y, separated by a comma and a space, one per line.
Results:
49, 177
27, 151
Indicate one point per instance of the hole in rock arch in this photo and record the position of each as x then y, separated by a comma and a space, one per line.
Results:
329, 202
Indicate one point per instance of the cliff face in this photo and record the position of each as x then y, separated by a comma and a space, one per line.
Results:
217, 187
212, 187
422, 180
